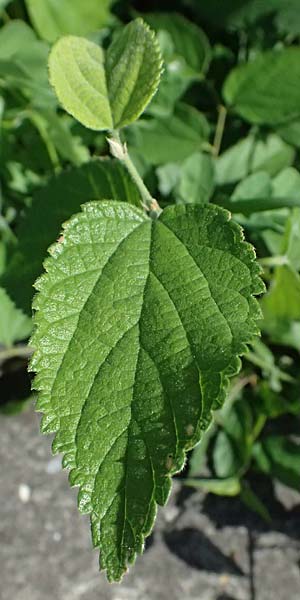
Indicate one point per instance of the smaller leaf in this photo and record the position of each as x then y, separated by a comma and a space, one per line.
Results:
133, 70
253, 502
107, 92
77, 73
225, 461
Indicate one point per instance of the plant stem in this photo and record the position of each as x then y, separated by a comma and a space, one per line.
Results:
219, 130
16, 352
120, 152
274, 261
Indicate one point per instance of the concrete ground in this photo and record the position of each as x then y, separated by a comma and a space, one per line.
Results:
203, 548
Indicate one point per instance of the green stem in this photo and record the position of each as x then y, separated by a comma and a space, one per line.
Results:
16, 352
274, 261
219, 130
120, 152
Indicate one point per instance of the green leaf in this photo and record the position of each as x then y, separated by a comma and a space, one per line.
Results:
197, 181
221, 487
14, 325
186, 52
53, 18
189, 41
171, 139
226, 463
266, 91
23, 63
279, 457
282, 302
136, 336
255, 186
107, 91
233, 14
55, 203
77, 74
197, 459
168, 177
251, 155
69, 146
253, 502
192, 182
288, 18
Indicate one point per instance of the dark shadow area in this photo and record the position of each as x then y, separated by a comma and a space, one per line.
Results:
15, 385
225, 597
196, 549
149, 541
232, 512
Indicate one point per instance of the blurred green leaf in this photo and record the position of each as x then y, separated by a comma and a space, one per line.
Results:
266, 90
197, 181
225, 461
279, 457
251, 155
282, 302
23, 63
171, 139
14, 325
53, 18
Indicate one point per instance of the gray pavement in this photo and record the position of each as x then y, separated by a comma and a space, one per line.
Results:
194, 553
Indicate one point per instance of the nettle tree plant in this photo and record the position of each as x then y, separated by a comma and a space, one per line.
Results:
141, 315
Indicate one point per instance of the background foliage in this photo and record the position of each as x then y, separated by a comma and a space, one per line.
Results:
223, 128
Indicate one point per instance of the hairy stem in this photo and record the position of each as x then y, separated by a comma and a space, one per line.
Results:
120, 152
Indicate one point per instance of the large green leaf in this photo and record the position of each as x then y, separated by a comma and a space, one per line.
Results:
107, 90
53, 18
139, 322
266, 90
51, 206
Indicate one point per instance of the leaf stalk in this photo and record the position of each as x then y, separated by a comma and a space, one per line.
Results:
119, 151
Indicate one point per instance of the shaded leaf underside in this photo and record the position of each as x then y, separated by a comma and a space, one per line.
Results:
139, 323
